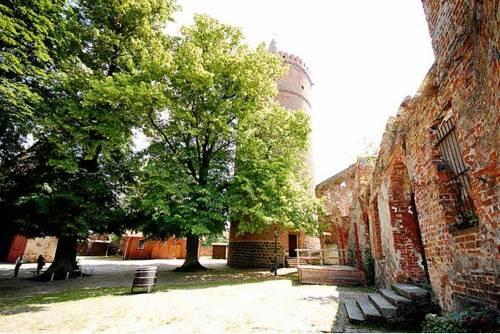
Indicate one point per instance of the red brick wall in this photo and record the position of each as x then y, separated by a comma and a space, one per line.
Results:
346, 196
32, 248
153, 249
462, 85
17, 248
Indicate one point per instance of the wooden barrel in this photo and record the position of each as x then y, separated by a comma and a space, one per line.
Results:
145, 277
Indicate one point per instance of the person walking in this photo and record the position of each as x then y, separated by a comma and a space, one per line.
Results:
19, 262
40, 263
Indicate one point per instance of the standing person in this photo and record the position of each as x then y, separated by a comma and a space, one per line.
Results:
19, 262
40, 262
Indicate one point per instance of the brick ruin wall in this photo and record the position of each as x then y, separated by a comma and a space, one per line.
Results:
359, 245
336, 193
463, 85
345, 197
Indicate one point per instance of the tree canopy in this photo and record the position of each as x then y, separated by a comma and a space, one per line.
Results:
30, 42
220, 119
111, 54
79, 77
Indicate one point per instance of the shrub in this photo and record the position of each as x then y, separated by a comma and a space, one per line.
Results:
470, 321
369, 265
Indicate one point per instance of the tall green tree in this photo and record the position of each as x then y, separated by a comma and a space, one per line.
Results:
101, 89
217, 91
30, 49
271, 186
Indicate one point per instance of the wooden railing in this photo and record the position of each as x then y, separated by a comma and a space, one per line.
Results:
311, 256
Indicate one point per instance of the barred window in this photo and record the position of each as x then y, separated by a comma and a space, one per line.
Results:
450, 150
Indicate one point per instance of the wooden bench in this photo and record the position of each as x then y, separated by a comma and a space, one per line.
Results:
145, 277
38, 273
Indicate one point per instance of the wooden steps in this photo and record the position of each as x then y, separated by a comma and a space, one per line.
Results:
292, 262
390, 306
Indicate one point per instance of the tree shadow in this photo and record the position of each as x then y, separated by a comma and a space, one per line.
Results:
21, 309
323, 300
16, 303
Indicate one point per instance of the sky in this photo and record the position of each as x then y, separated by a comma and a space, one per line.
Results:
365, 56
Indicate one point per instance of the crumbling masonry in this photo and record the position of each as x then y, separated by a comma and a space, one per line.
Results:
432, 212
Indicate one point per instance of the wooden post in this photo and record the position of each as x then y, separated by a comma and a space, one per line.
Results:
298, 258
320, 257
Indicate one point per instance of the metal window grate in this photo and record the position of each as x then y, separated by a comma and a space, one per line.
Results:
450, 151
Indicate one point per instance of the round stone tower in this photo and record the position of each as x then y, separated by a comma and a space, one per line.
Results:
258, 250
295, 86
294, 89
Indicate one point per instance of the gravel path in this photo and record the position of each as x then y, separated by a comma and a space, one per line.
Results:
241, 301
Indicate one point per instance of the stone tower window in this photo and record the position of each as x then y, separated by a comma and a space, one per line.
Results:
450, 151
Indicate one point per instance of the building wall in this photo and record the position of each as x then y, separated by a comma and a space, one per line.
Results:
257, 250
40, 246
153, 249
462, 87
206, 251
17, 247
32, 248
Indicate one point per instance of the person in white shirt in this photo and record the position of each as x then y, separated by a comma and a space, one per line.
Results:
19, 262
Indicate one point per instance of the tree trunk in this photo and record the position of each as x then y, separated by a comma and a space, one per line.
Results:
64, 261
191, 262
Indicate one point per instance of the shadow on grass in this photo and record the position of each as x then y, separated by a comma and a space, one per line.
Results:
12, 304
22, 309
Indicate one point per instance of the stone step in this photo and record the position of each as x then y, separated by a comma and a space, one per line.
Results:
388, 310
353, 312
410, 291
394, 298
369, 311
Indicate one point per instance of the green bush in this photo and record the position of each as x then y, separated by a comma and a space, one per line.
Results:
369, 265
470, 321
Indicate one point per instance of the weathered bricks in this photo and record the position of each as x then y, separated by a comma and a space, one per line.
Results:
461, 86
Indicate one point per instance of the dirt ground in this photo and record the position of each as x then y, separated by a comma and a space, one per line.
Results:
221, 300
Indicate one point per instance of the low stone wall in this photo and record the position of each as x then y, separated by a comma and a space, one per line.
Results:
253, 254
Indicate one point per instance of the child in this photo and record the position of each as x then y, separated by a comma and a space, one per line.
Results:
40, 263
